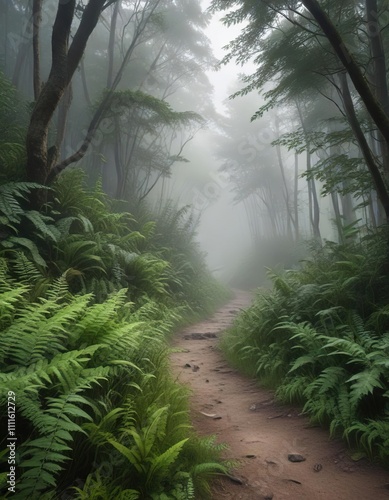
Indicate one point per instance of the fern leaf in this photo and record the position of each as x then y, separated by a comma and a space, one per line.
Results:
30, 246
364, 383
160, 464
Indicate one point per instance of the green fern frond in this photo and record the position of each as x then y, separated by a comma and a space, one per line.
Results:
364, 383
160, 464
10, 196
25, 243
42, 226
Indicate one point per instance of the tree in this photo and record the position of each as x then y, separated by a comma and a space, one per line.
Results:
65, 60
139, 36
260, 178
315, 32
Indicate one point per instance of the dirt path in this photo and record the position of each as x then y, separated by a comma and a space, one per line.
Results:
260, 432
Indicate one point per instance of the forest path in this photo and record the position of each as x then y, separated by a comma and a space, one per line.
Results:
260, 432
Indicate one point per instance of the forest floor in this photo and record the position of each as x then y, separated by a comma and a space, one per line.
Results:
261, 432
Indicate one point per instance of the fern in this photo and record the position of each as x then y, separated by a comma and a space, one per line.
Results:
26, 271
15, 242
39, 331
364, 383
371, 436
95, 488
42, 458
41, 225
11, 195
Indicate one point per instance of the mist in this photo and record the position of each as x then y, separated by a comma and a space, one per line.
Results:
188, 186
148, 114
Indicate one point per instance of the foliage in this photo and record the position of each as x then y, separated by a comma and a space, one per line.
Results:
91, 387
321, 336
14, 116
87, 298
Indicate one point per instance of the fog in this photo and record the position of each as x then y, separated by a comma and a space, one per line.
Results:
167, 129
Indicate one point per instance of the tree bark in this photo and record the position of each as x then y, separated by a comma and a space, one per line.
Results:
84, 84
63, 110
378, 54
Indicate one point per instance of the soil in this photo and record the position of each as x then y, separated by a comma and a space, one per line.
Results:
260, 432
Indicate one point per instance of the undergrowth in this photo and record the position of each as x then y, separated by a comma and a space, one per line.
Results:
96, 408
88, 296
321, 338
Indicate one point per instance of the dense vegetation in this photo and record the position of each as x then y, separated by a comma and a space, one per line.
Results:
320, 337
88, 296
97, 267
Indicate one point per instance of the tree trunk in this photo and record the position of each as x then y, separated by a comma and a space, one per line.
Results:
63, 111
38, 165
295, 199
378, 180
84, 84
111, 44
105, 103
338, 217
372, 104
64, 63
378, 54
315, 217
378, 73
314, 209
289, 215
36, 23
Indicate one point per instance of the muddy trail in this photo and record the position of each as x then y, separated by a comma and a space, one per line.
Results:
262, 434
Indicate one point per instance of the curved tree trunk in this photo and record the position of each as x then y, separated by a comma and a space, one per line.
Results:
65, 60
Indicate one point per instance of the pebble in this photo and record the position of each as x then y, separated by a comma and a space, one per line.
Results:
295, 457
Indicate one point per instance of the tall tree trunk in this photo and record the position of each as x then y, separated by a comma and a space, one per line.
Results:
111, 44
38, 165
338, 217
63, 111
84, 84
295, 197
314, 214
372, 212
378, 180
289, 214
378, 73
105, 103
378, 54
36, 24
4, 6
347, 207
